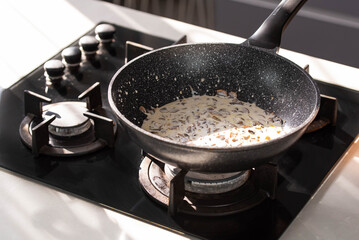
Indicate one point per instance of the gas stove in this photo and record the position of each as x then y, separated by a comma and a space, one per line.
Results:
87, 154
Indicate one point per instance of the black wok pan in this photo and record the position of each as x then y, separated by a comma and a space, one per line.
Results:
252, 69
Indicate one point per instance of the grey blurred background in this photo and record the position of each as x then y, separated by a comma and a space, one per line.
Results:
327, 29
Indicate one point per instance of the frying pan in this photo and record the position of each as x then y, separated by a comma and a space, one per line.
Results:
252, 69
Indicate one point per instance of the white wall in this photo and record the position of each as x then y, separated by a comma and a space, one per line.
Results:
327, 29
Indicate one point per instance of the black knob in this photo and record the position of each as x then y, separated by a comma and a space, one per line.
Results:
71, 55
105, 32
54, 69
89, 44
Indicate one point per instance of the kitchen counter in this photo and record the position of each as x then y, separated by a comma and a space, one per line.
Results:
36, 30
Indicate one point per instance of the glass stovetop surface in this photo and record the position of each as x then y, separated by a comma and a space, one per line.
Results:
110, 176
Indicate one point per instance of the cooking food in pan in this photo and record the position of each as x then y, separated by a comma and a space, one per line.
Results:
216, 121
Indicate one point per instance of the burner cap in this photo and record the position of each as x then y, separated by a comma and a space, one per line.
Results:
209, 183
69, 121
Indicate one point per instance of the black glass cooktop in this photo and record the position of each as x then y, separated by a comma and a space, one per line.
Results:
110, 177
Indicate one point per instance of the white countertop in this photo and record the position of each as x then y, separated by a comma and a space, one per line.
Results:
33, 31
30, 210
333, 211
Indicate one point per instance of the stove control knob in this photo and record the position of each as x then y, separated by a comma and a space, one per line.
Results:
89, 46
72, 58
105, 32
54, 70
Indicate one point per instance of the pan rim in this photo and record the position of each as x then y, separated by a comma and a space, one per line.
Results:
251, 146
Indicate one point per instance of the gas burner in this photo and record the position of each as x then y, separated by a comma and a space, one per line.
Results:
70, 119
206, 183
69, 128
178, 190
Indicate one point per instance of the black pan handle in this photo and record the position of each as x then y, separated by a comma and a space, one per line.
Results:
269, 34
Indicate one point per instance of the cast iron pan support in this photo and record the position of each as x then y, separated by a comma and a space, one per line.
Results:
103, 128
269, 34
33, 103
327, 114
40, 135
267, 178
133, 49
33, 109
177, 193
103, 125
93, 97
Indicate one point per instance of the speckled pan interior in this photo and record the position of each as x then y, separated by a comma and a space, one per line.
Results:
270, 81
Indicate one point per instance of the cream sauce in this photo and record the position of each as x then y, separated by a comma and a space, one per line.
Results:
215, 121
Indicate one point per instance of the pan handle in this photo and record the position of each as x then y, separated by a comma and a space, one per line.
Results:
269, 34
